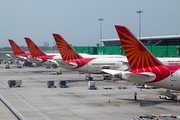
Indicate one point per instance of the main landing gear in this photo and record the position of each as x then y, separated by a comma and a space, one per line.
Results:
106, 77
89, 77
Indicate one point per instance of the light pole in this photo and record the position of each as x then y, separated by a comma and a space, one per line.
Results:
139, 11
100, 19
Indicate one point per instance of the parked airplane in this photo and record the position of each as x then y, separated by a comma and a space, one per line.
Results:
145, 68
72, 60
38, 56
19, 54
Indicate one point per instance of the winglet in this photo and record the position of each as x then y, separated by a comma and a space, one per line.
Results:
16, 49
66, 51
137, 54
33, 48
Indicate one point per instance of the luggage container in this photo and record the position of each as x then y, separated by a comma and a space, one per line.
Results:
91, 85
62, 84
108, 87
14, 83
47, 67
19, 66
7, 66
55, 73
50, 84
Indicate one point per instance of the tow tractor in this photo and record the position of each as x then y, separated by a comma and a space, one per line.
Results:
167, 94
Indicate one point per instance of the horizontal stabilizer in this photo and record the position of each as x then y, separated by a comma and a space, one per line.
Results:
18, 57
9, 56
112, 72
54, 63
139, 77
37, 60
67, 65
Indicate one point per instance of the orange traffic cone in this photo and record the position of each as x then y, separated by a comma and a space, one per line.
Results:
109, 101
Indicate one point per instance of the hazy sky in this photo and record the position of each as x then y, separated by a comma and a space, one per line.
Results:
77, 20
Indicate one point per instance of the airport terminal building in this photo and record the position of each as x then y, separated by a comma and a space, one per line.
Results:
161, 46
153, 41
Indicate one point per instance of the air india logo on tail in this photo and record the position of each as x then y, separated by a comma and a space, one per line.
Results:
67, 52
16, 49
34, 50
138, 56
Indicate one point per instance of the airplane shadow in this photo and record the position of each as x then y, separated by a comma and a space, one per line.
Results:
148, 103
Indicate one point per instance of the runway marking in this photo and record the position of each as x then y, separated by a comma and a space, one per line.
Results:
12, 107
30, 106
109, 104
3, 85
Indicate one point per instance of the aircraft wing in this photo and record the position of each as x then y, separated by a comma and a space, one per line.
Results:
67, 65
124, 60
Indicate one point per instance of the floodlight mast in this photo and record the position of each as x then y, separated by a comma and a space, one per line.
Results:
100, 19
139, 11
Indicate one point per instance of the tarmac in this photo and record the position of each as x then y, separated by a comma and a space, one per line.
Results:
35, 101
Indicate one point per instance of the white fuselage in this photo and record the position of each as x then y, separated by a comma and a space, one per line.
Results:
171, 82
57, 57
95, 66
170, 61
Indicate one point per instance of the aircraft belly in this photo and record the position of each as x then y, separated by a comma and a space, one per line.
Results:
167, 83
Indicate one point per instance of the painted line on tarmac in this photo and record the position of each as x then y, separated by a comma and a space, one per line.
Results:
30, 106
17, 114
3, 85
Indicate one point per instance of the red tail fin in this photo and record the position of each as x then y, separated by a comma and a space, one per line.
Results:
16, 49
137, 54
33, 48
66, 51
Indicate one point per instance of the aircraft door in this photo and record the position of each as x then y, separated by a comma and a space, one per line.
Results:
173, 75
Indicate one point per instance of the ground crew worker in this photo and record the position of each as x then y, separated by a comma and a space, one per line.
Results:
135, 96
